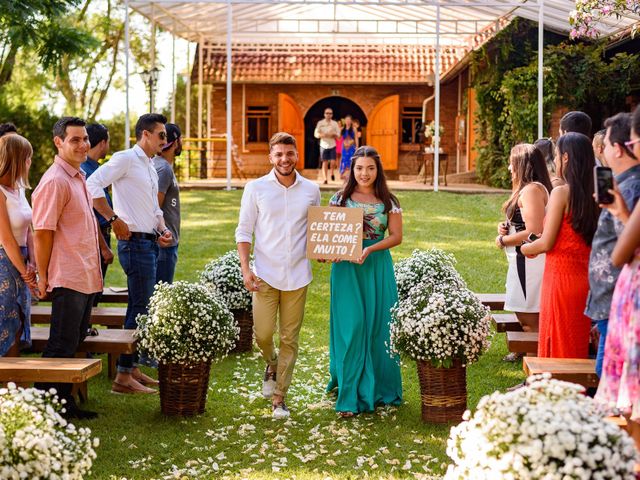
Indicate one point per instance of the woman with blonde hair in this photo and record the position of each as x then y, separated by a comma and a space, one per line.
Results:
17, 271
525, 212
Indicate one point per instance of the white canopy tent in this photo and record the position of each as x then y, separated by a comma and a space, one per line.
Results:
459, 23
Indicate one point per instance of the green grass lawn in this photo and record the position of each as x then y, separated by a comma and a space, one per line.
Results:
236, 437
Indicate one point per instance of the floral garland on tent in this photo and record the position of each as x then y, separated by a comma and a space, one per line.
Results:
584, 18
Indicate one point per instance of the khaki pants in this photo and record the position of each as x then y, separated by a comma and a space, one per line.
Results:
266, 303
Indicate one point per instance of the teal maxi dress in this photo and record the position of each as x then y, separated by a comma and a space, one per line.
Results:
361, 368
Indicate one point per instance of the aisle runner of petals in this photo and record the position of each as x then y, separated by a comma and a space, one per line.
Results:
268, 450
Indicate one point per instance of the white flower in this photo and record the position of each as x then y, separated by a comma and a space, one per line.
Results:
36, 442
187, 322
225, 275
437, 318
548, 429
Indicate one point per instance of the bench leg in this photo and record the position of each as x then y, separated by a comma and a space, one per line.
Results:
112, 360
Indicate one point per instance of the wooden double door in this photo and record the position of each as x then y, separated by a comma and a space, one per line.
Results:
382, 130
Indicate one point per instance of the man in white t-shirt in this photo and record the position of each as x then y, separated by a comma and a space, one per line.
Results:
327, 130
273, 215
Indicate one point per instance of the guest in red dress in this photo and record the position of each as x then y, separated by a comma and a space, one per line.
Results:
571, 221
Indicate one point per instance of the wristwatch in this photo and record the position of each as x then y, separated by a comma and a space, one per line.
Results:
112, 219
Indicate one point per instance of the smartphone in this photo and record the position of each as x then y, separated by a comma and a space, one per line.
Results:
532, 237
603, 182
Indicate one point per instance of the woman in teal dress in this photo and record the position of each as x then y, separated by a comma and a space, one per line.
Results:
362, 292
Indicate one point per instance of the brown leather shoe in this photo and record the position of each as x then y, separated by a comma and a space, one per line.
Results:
146, 380
121, 389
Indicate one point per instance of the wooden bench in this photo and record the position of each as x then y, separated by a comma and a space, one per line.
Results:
63, 370
522, 342
115, 295
495, 301
110, 317
576, 370
111, 342
506, 322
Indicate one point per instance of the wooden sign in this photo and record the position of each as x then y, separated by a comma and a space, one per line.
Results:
334, 233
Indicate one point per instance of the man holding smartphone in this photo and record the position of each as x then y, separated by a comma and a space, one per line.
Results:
602, 274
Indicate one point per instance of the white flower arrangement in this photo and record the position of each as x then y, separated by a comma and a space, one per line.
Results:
434, 264
226, 275
36, 442
430, 129
546, 430
438, 323
186, 323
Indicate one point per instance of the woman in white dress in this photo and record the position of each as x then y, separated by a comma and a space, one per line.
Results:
524, 212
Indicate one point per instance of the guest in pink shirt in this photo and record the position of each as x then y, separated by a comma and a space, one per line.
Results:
67, 245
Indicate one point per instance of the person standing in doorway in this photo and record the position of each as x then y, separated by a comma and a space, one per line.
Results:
273, 215
327, 130
139, 226
169, 201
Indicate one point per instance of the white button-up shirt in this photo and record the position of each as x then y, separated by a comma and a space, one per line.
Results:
135, 188
277, 216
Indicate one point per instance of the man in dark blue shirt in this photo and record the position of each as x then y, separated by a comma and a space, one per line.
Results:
99, 140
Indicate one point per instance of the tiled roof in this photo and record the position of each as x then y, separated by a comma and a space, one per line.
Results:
382, 64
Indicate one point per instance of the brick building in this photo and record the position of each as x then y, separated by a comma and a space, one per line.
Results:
287, 87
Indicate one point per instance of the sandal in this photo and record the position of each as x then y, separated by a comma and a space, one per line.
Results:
346, 414
513, 357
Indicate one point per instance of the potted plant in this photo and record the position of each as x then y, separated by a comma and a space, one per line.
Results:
225, 274
37, 443
548, 429
188, 325
441, 325
434, 264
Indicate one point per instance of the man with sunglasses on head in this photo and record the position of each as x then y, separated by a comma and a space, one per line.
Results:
602, 274
327, 130
169, 201
138, 224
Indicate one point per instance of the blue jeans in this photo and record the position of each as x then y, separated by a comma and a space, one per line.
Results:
167, 259
602, 329
138, 258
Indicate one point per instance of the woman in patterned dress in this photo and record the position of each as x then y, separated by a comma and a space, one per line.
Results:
17, 271
362, 293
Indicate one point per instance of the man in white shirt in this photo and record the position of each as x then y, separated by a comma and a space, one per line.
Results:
138, 224
274, 211
327, 130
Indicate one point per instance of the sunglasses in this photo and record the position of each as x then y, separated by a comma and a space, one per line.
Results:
631, 143
162, 135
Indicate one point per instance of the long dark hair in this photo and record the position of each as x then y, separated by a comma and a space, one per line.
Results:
578, 173
380, 187
528, 166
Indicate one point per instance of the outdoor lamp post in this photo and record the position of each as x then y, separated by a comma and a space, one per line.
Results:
150, 78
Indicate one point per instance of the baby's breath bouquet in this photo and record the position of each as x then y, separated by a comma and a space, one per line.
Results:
225, 273
434, 264
36, 442
439, 322
546, 430
186, 323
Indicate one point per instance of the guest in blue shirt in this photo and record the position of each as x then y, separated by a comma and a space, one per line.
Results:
99, 140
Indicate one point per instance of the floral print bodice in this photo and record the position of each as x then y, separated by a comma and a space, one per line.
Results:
375, 220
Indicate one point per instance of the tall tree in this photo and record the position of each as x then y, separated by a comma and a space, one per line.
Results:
38, 26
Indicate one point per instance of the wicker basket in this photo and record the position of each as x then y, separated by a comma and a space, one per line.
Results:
244, 318
443, 392
183, 387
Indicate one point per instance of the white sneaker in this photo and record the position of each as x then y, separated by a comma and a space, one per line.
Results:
268, 384
280, 411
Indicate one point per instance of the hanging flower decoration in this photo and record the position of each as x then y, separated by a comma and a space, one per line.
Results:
588, 13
